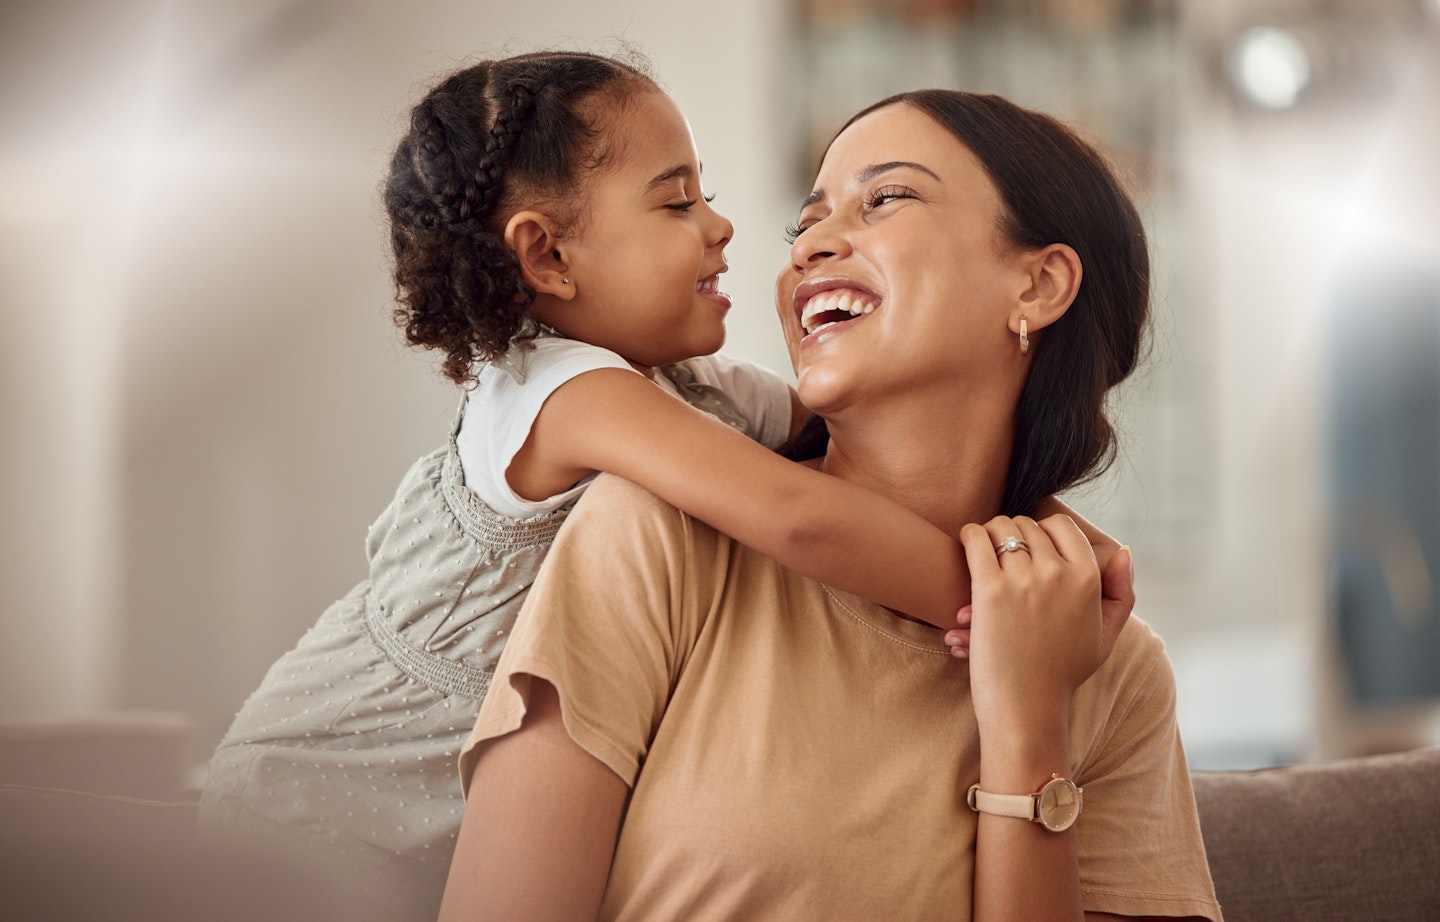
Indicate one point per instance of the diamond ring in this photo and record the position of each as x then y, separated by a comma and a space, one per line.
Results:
1011, 543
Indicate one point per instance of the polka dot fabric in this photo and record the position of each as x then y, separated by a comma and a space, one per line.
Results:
352, 738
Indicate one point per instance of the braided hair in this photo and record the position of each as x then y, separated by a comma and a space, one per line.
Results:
482, 141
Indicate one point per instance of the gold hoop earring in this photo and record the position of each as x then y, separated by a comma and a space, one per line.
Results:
1024, 337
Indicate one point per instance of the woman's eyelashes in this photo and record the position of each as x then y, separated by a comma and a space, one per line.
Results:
888, 194
871, 201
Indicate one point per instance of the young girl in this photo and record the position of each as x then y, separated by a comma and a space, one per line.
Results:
552, 241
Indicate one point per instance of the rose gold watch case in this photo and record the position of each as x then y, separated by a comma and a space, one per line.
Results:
1058, 803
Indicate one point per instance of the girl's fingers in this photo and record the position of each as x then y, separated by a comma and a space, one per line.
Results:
958, 638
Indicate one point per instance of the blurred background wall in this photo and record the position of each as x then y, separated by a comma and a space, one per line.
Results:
203, 401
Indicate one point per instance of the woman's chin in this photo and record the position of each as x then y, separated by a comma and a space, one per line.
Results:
823, 391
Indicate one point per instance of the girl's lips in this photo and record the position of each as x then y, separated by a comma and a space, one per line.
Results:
709, 289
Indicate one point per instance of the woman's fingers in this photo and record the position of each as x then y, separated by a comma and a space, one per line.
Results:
1117, 582
1068, 539
979, 551
1020, 539
1038, 625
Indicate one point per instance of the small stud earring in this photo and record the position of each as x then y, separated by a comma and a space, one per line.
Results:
1024, 337
564, 280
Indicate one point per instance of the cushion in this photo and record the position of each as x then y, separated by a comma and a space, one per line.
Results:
1351, 839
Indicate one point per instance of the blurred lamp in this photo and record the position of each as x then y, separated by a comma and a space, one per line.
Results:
1269, 66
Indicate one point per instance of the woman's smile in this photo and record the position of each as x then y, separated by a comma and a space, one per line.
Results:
831, 304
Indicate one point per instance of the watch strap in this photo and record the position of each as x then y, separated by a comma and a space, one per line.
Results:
1020, 806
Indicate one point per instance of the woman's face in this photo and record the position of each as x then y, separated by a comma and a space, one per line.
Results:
899, 281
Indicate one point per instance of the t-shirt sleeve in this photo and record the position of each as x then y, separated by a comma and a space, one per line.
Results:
1141, 853
761, 395
605, 623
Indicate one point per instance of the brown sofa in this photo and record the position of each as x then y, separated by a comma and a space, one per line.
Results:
1354, 839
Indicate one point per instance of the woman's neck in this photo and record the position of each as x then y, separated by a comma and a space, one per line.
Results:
948, 467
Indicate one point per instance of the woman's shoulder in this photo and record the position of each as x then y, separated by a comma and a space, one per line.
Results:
1138, 661
627, 511
614, 497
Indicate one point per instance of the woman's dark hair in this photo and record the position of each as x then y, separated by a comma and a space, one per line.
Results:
523, 129
1056, 188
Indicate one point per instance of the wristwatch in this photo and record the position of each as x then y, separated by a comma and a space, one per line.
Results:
1055, 806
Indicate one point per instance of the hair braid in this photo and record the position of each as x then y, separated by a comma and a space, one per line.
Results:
479, 140
509, 123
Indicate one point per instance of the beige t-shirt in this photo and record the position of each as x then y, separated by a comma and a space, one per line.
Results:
795, 752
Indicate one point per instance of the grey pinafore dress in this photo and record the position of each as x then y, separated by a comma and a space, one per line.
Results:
352, 737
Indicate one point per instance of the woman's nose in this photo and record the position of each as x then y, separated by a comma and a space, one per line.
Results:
818, 242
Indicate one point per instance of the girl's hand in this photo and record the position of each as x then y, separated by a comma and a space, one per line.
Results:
1038, 624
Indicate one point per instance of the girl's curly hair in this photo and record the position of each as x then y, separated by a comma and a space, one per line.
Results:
482, 140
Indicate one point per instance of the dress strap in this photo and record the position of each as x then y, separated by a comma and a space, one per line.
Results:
479, 520
706, 397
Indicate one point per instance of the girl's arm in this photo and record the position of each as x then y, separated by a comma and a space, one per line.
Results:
830, 530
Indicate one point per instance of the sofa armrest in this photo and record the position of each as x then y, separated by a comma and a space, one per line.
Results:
1345, 840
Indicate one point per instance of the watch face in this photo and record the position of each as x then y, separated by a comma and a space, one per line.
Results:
1059, 805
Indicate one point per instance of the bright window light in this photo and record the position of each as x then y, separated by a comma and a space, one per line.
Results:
1270, 67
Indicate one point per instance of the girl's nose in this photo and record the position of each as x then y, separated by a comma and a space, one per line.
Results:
720, 229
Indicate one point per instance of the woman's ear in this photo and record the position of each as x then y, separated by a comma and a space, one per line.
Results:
1054, 280
541, 253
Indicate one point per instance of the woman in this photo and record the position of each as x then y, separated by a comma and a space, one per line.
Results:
686, 729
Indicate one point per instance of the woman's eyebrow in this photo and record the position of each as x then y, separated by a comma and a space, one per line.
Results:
873, 171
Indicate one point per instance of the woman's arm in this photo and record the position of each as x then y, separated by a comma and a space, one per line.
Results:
830, 530
539, 828
1035, 636
1040, 628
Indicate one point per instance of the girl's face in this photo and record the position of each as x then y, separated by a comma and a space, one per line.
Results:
900, 280
646, 260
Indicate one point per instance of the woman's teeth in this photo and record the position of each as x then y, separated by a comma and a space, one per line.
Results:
831, 307
709, 283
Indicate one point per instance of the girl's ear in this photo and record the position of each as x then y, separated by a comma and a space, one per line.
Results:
1054, 274
534, 238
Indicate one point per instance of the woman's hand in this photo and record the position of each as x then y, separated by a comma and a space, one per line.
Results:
1039, 623
1117, 578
